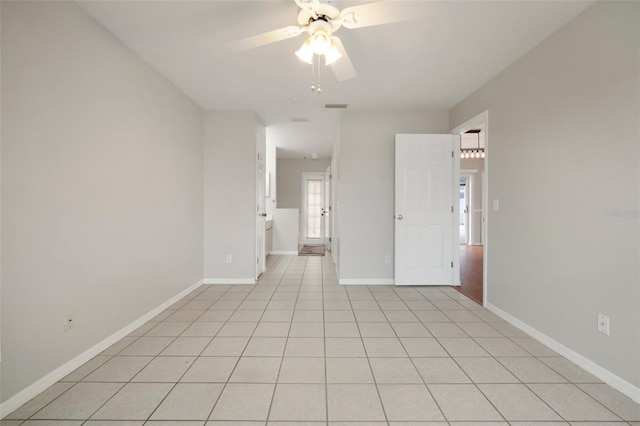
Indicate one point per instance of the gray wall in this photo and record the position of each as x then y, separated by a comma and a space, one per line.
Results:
101, 188
230, 193
366, 179
290, 179
563, 152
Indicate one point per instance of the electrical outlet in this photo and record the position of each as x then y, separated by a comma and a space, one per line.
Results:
229, 258
69, 322
387, 259
603, 324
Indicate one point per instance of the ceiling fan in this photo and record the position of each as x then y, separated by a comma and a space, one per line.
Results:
321, 20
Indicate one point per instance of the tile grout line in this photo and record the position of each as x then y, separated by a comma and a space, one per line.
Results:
242, 353
284, 350
444, 416
375, 382
228, 290
197, 357
324, 347
153, 358
471, 382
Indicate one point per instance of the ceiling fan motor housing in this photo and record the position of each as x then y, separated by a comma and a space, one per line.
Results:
323, 13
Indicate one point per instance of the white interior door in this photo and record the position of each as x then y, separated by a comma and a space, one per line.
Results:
424, 218
261, 212
311, 221
326, 212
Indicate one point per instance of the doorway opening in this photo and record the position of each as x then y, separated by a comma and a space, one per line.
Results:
313, 208
472, 181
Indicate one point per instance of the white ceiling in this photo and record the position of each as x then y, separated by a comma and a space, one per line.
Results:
429, 63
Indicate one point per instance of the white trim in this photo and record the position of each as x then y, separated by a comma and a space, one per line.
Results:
229, 281
53, 377
455, 218
470, 195
260, 228
284, 253
482, 119
373, 281
600, 372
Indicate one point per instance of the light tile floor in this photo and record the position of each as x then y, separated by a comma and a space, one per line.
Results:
299, 349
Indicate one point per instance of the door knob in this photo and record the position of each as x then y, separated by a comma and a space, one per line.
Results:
399, 217
263, 214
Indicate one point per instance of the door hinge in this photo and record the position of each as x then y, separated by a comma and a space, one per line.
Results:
451, 154
451, 209
452, 264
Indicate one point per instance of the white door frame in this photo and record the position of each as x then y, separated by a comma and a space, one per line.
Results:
466, 205
303, 209
470, 175
260, 255
480, 119
328, 214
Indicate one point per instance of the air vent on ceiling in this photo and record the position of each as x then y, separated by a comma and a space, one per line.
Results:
335, 106
299, 119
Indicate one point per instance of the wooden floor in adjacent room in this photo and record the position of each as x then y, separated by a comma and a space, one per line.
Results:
471, 272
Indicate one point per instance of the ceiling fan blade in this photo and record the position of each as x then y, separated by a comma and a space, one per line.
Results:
382, 12
342, 68
265, 38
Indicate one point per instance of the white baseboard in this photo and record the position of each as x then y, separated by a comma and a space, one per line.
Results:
347, 281
602, 373
31, 391
229, 281
285, 253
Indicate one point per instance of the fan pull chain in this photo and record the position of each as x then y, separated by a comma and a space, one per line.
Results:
319, 89
313, 74
315, 87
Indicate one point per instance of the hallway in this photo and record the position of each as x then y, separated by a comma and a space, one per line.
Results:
298, 347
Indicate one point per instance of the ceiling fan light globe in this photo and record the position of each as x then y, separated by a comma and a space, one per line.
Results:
320, 42
305, 53
332, 55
